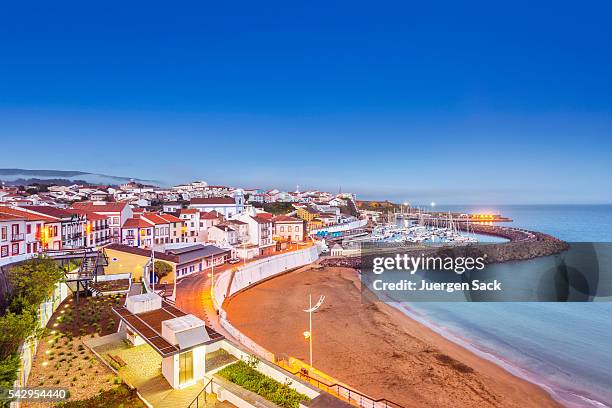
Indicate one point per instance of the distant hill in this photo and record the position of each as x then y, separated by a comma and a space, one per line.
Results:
63, 177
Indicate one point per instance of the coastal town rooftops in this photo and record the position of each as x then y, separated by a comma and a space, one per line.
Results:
53, 212
24, 214
286, 219
235, 222
211, 215
170, 218
224, 227
7, 217
91, 216
137, 223
102, 207
213, 201
261, 220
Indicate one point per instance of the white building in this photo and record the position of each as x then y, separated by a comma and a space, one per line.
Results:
226, 206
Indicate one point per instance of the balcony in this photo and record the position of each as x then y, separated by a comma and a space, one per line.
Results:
17, 237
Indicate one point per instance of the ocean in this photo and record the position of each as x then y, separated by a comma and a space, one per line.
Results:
564, 347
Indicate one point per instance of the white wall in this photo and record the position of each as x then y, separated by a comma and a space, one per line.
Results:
342, 227
264, 268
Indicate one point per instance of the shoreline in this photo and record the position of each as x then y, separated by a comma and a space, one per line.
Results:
429, 365
577, 399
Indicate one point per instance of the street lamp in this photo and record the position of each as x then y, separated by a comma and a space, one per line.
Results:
310, 310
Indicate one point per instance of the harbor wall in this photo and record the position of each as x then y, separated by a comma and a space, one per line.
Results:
522, 245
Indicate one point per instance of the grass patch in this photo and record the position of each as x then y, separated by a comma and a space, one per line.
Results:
244, 375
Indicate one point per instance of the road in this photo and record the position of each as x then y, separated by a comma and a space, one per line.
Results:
193, 293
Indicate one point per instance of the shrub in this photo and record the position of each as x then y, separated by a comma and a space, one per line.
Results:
243, 374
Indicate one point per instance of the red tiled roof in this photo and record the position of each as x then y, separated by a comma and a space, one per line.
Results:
170, 218
91, 216
213, 215
106, 207
189, 211
261, 220
7, 217
50, 211
27, 215
136, 223
286, 218
154, 218
265, 215
212, 201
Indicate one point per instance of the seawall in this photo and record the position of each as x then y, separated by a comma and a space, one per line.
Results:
522, 245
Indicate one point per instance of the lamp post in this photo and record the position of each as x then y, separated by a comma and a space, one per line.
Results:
310, 310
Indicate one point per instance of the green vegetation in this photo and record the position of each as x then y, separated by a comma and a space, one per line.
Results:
72, 265
162, 269
378, 206
120, 396
31, 284
278, 208
244, 374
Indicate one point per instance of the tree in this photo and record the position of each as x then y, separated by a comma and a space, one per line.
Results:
32, 282
14, 329
162, 269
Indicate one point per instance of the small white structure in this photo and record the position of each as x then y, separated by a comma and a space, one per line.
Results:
143, 303
181, 339
184, 331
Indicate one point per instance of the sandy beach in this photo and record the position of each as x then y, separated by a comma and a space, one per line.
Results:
374, 347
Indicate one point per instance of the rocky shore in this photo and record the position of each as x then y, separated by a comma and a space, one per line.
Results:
522, 245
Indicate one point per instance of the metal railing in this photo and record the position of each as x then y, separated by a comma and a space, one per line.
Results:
347, 394
201, 395
17, 237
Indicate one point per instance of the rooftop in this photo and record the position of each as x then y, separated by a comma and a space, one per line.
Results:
213, 201
100, 207
148, 325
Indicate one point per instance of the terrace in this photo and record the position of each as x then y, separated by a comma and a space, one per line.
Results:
173, 359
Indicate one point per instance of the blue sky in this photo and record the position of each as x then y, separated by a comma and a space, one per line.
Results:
453, 102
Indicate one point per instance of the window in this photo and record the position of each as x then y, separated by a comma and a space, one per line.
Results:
4, 251
55, 231
282, 229
15, 249
4, 233
289, 228
15, 229
297, 229
29, 228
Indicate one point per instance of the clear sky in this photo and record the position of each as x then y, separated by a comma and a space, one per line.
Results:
454, 102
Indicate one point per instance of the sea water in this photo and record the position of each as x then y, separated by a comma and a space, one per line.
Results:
564, 347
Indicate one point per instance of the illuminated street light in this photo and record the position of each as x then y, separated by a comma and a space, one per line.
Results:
310, 310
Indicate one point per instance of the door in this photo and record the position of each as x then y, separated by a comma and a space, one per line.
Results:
185, 367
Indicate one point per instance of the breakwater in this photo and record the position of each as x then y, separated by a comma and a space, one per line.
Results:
522, 245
